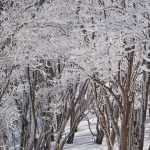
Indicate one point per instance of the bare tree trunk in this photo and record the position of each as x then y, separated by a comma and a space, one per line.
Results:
116, 116
112, 136
145, 92
59, 121
52, 135
100, 133
4, 139
72, 120
24, 132
32, 85
59, 136
127, 107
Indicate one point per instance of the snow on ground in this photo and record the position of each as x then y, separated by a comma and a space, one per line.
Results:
83, 138
85, 141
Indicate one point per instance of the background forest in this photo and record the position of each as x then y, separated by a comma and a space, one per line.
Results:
61, 60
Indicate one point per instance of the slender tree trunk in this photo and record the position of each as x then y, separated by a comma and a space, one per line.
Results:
59, 121
145, 92
52, 135
32, 85
100, 134
4, 139
113, 136
72, 120
24, 131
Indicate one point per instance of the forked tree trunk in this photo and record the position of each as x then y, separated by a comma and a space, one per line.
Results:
127, 107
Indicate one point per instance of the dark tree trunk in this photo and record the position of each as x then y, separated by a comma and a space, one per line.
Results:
70, 139
52, 136
59, 120
99, 137
72, 120
100, 134
24, 131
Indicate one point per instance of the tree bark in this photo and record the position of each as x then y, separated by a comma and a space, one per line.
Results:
72, 120
145, 92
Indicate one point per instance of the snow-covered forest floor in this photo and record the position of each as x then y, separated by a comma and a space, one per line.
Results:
84, 140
